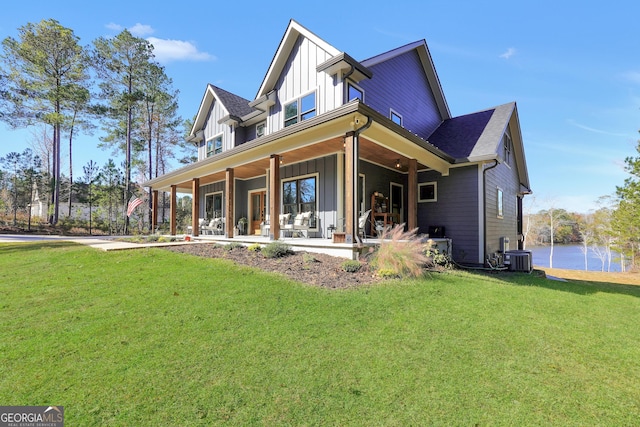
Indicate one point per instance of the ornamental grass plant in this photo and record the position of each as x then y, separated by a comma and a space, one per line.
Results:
400, 254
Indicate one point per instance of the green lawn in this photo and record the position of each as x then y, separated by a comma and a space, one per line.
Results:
151, 337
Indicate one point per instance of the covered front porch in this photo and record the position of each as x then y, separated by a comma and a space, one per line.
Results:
329, 151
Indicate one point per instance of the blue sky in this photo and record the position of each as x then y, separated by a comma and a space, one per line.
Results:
571, 66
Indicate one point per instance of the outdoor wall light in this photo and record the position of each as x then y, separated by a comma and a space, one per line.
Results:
398, 163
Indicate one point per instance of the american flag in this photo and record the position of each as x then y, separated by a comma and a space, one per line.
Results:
134, 202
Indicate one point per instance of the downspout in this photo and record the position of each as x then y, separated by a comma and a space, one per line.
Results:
345, 92
356, 169
484, 206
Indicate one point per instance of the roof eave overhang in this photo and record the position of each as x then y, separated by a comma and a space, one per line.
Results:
344, 63
312, 131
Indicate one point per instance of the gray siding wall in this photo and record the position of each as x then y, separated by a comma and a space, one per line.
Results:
505, 178
456, 209
325, 167
377, 178
242, 188
400, 84
212, 128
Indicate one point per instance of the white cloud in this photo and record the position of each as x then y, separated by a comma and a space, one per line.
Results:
166, 50
141, 30
633, 76
114, 27
594, 130
509, 53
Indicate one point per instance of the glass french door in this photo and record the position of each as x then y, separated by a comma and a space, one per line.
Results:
258, 210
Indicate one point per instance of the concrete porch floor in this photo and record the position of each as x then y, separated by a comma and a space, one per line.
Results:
314, 245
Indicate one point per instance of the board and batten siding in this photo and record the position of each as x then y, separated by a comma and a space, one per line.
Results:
212, 128
400, 84
326, 203
456, 209
506, 178
299, 77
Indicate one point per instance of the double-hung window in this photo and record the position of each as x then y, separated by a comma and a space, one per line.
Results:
214, 146
299, 196
506, 141
300, 109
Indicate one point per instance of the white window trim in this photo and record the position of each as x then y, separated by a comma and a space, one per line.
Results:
299, 177
212, 139
264, 122
221, 193
499, 203
435, 192
298, 99
393, 112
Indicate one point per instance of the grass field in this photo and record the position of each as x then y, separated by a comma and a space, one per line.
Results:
150, 337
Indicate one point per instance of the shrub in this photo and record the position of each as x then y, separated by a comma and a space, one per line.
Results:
400, 254
308, 258
437, 259
276, 249
233, 245
256, 247
351, 266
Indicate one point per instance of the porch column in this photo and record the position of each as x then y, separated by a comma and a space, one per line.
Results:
154, 210
229, 219
412, 193
351, 157
195, 206
274, 197
173, 210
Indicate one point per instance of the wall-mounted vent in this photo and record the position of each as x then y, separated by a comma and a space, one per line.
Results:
519, 261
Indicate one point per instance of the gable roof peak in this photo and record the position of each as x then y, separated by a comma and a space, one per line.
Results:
291, 34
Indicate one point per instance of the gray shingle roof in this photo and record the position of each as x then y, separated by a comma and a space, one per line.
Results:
236, 105
473, 135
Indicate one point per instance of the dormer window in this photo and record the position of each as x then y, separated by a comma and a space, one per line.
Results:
300, 109
214, 146
395, 118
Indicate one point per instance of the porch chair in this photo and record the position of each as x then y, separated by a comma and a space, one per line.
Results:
362, 223
301, 224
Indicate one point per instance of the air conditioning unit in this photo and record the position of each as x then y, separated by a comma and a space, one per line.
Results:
519, 261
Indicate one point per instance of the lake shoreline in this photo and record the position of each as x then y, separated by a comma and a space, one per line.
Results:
627, 278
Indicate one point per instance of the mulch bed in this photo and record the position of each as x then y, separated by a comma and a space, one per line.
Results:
305, 267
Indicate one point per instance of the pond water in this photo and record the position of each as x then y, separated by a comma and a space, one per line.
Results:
571, 257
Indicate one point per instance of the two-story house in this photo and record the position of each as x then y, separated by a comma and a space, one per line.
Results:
341, 140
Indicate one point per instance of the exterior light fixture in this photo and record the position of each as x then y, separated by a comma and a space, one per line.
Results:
398, 163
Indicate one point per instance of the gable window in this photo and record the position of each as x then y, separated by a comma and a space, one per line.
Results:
428, 192
500, 203
508, 146
354, 92
301, 109
261, 129
299, 196
395, 118
214, 146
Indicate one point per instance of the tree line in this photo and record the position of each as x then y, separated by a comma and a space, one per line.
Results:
611, 231
48, 78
